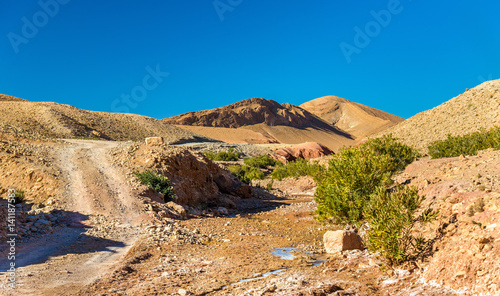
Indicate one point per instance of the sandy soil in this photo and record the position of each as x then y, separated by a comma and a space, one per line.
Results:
62, 262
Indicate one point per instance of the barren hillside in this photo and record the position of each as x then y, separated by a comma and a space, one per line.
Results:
475, 109
63, 121
356, 119
262, 121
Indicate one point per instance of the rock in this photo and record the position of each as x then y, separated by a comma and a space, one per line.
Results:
184, 292
96, 134
154, 141
178, 209
222, 211
341, 240
305, 151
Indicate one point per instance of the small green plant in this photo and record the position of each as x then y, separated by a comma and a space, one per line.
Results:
246, 173
297, 168
468, 144
391, 214
479, 205
229, 155
156, 182
19, 197
261, 162
269, 185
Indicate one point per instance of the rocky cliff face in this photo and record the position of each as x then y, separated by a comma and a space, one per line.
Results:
247, 112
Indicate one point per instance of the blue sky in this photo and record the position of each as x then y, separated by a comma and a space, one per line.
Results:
163, 58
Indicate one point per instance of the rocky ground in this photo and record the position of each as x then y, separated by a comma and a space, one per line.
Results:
105, 234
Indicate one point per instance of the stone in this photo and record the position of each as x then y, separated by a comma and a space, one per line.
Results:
178, 209
341, 240
154, 141
184, 292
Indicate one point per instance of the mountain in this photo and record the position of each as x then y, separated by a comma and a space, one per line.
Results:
356, 119
473, 110
262, 121
53, 120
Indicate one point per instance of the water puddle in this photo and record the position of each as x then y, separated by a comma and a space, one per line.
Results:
287, 253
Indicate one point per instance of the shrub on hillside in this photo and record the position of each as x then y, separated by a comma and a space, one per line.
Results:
261, 162
229, 155
354, 173
468, 144
246, 173
391, 215
297, 168
158, 183
19, 197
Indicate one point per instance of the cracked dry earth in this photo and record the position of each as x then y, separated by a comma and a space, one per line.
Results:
101, 222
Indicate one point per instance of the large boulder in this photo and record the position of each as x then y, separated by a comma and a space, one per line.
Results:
341, 240
152, 141
305, 150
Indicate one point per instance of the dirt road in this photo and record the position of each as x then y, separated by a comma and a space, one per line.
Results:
102, 222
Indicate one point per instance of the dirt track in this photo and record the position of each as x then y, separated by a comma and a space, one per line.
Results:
102, 219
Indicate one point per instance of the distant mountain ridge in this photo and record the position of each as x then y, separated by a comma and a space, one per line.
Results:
354, 118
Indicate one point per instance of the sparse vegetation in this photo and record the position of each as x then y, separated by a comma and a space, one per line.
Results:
391, 214
19, 197
261, 162
297, 168
468, 144
156, 182
246, 173
229, 155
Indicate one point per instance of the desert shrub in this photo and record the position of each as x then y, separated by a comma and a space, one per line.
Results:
229, 155
391, 215
353, 174
297, 168
156, 182
401, 155
468, 144
19, 197
246, 173
261, 162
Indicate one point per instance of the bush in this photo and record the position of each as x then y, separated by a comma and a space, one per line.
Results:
261, 162
19, 197
229, 155
468, 144
246, 173
156, 182
354, 173
297, 168
391, 214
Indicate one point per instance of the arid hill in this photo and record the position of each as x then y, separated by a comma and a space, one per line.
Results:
53, 120
262, 121
475, 109
356, 119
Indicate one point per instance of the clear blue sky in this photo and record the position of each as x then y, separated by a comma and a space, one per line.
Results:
98, 55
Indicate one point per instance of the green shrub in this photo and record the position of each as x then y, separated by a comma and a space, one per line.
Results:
468, 144
19, 197
354, 173
261, 162
229, 155
297, 168
246, 173
391, 214
158, 183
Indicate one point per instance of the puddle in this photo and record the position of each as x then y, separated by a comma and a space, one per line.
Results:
287, 254
284, 253
257, 276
